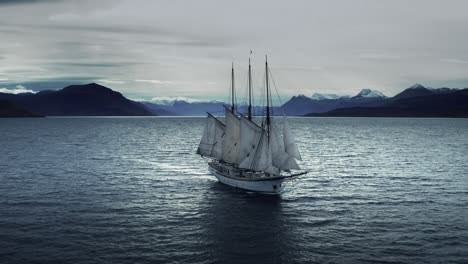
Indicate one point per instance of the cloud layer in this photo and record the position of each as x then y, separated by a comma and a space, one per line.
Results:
146, 49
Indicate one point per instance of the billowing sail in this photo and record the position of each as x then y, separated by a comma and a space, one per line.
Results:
261, 159
231, 138
211, 144
290, 142
280, 158
250, 134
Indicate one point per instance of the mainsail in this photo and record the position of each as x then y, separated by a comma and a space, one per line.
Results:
211, 144
261, 158
250, 134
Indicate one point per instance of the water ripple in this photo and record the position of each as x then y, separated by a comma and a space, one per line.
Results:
127, 190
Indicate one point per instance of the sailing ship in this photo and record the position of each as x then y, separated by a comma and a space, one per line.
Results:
253, 156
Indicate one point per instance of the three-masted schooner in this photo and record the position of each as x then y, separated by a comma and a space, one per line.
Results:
248, 155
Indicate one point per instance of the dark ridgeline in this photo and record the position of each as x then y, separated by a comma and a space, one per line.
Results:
416, 101
78, 100
10, 109
413, 91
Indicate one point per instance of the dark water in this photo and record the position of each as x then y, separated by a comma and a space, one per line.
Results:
131, 190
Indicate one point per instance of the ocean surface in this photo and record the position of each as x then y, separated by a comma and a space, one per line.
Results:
132, 190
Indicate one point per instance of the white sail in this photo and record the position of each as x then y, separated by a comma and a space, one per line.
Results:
231, 138
211, 143
280, 158
290, 142
261, 159
206, 142
249, 156
220, 130
250, 134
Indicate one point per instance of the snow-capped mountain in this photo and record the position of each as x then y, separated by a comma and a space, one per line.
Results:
301, 104
318, 96
416, 101
164, 100
413, 91
417, 86
368, 93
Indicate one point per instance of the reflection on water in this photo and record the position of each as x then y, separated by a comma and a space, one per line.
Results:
126, 190
239, 224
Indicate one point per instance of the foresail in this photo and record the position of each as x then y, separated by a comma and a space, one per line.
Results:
290, 142
280, 158
211, 141
220, 130
204, 148
231, 138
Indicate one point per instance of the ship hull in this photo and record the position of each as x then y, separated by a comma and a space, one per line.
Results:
265, 185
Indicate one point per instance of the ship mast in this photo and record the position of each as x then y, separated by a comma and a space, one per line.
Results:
250, 92
232, 89
268, 98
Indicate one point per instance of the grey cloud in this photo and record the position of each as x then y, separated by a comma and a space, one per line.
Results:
92, 28
190, 43
156, 36
51, 84
77, 64
21, 2
461, 61
313, 46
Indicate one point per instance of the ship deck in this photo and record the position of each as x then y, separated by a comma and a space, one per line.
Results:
231, 171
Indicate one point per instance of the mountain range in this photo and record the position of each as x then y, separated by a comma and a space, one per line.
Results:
297, 105
96, 100
78, 100
317, 103
416, 101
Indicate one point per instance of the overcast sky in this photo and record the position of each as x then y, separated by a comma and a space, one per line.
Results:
148, 49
